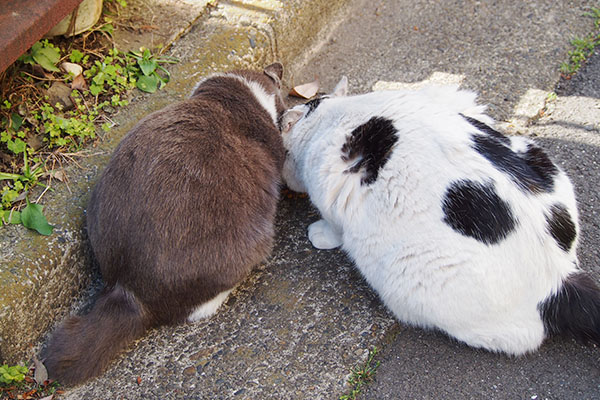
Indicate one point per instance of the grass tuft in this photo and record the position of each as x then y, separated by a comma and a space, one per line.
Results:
583, 47
360, 376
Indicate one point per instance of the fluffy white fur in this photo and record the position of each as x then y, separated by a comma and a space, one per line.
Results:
207, 309
426, 273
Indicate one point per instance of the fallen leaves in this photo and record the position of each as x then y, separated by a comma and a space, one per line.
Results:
59, 174
306, 90
79, 83
35, 385
41, 374
76, 71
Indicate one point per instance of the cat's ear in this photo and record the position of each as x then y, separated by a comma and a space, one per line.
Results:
341, 89
275, 72
289, 119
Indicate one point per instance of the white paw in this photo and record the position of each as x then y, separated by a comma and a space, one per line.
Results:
323, 236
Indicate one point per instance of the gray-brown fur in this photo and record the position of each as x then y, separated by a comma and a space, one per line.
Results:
183, 211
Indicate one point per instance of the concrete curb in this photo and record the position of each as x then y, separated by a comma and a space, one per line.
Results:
41, 276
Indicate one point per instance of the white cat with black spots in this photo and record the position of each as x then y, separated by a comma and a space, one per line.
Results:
456, 226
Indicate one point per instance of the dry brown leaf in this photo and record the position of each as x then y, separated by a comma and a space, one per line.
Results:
27, 395
306, 90
35, 141
60, 175
79, 83
41, 374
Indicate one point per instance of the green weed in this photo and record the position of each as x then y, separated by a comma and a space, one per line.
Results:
146, 69
360, 376
111, 75
583, 47
122, 3
10, 375
31, 216
43, 53
21, 382
30, 126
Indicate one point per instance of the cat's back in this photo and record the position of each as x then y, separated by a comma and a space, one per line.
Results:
215, 127
437, 136
200, 177
428, 164
217, 137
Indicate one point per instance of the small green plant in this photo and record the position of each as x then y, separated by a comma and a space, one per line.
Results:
360, 376
22, 182
20, 382
13, 136
69, 130
110, 75
594, 13
76, 56
31, 216
122, 3
43, 53
9, 375
147, 69
31, 125
583, 47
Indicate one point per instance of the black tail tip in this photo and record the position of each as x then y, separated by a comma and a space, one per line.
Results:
574, 310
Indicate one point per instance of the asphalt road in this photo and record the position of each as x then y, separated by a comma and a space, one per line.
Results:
503, 50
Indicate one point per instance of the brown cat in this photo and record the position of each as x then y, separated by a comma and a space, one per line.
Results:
183, 211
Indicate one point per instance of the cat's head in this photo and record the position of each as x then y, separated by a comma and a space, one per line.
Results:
270, 81
265, 86
297, 126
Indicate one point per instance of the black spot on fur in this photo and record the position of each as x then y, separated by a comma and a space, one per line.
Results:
540, 163
532, 178
537, 172
475, 210
487, 129
371, 143
561, 226
574, 310
313, 104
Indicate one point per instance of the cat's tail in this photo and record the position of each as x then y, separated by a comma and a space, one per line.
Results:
83, 345
574, 310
